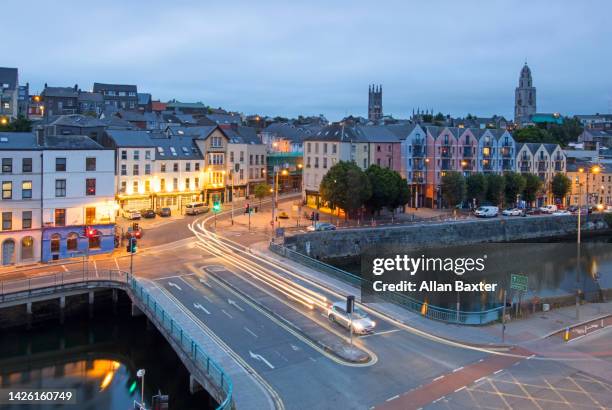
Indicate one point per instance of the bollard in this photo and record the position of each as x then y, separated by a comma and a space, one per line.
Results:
566, 335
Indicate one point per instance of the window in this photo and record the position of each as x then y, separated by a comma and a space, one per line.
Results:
231, 156
7, 190
175, 184
175, 167
60, 217
26, 165
163, 167
147, 169
308, 147
147, 154
241, 173
27, 247
251, 159
216, 142
90, 186
316, 162
316, 147
90, 215
147, 186
187, 187
123, 187
72, 241
162, 184
55, 242
136, 155
123, 169
60, 164
241, 156
196, 182
26, 220
7, 165
90, 164
7, 221
135, 170
124, 154
197, 166
324, 162
135, 187
26, 190
188, 166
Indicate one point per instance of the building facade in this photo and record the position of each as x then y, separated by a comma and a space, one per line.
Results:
121, 96
524, 97
9, 93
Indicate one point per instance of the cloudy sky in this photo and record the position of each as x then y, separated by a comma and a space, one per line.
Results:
311, 57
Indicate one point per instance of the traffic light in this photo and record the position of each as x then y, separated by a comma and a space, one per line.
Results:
88, 231
132, 245
317, 216
216, 206
312, 216
247, 208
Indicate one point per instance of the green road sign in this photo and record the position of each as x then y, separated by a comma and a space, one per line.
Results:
519, 282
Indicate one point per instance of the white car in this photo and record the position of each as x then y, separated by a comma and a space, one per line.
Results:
487, 212
512, 212
362, 324
131, 214
548, 209
561, 212
321, 226
608, 209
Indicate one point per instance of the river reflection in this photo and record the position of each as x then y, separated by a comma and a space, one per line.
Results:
98, 358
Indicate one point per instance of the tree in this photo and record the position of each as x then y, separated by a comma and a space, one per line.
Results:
532, 186
560, 186
384, 188
495, 188
532, 134
261, 191
403, 193
476, 187
514, 184
345, 185
21, 124
453, 188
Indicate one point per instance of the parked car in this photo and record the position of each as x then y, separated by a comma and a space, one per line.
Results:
573, 209
533, 211
283, 215
131, 214
561, 212
164, 212
486, 212
362, 323
512, 212
196, 208
608, 209
131, 232
322, 226
549, 209
147, 213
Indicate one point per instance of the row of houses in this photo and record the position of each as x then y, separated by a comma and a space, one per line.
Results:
423, 154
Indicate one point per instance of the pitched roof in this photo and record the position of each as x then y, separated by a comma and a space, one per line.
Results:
9, 76
98, 87
143, 98
131, 138
375, 133
70, 142
18, 141
402, 131
225, 118
242, 135
68, 92
89, 96
77, 120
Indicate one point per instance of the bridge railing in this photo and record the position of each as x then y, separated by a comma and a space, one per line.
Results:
430, 311
44, 284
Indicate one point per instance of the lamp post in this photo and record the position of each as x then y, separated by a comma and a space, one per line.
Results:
141, 375
578, 256
592, 170
300, 166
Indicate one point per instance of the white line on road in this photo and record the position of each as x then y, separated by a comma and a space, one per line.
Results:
236, 305
481, 360
117, 263
261, 359
174, 285
96, 269
393, 398
227, 314
457, 369
65, 268
438, 399
202, 308
203, 282
459, 389
186, 283
379, 333
207, 299
499, 371
530, 357
479, 380
250, 331
438, 378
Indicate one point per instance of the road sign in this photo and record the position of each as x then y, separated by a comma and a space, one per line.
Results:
519, 282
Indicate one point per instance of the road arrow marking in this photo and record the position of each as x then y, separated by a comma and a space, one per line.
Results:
198, 306
233, 302
203, 282
174, 285
295, 348
261, 359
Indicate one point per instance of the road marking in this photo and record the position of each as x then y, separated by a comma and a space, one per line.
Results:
207, 299
250, 331
96, 269
457, 369
117, 263
236, 305
481, 360
295, 348
438, 399
186, 283
261, 359
227, 314
479, 380
65, 268
174, 285
202, 308
313, 359
379, 333
205, 283
459, 389
393, 398
438, 378
530, 357
499, 371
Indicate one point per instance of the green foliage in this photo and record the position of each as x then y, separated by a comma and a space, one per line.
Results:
532, 185
532, 134
427, 117
476, 187
21, 124
495, 188
439, 117
453, 188
261, 191
514, 184
561, 134
403, 194
345, 185
385, 188
560, 186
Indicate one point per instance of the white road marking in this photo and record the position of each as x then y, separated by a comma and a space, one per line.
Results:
393, 398
459, 389
236, 305
457, 369
481, 360
380, 333
96, 269
499, 371
186, 283
479, 380
250, 331
117, 263
227, 314
207, 299
295, 348
313, 359
202, 308
438, 378
261, 359
174, 285
65, 268
438, 399
203, 282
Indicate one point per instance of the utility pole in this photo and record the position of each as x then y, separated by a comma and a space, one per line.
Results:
504, 315
578, 239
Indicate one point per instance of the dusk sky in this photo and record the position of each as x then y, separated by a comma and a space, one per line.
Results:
290, 58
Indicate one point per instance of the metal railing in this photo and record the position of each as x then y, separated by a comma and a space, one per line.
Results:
423, 308
16, 289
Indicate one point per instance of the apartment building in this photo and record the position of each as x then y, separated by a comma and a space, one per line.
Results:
121, 96
9, 92
246, 162
543, 160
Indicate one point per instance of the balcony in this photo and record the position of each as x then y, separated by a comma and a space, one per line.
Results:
506, 152
541, 166
506, 164
558, 166
418, 151
467, 152
445, 152
418, 180
446, 165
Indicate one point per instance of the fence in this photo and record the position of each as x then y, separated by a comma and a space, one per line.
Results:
47, 284
429, 311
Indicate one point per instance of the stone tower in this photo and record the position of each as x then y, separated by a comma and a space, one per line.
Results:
524, 97
375, 110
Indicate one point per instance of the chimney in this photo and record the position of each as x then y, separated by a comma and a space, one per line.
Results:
76, 87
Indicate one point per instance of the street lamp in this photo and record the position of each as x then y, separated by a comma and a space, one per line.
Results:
274, 191
596, 169
141, 375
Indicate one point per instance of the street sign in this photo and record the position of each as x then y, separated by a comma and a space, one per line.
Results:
280, 232
519, 282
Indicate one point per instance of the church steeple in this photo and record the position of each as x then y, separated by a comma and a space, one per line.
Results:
375, 111
524, 97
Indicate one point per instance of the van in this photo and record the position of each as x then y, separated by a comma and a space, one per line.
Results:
486, 211
549, 209
196, 208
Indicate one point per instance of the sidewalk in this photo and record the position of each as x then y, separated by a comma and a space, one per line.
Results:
519, 331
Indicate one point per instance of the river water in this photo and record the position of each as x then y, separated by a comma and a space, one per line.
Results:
99, 358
